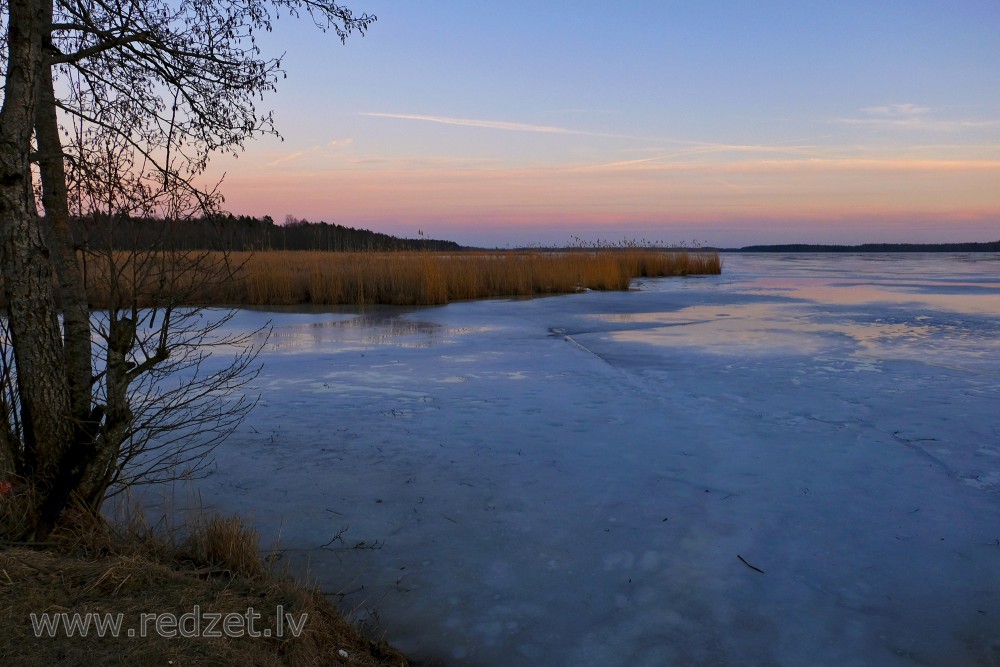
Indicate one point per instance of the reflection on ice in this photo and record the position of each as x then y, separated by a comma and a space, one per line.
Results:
369, 327
758, 328
781, 329
365, 329
935, 319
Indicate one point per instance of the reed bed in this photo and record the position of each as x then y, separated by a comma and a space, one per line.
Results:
296, 277
425, 278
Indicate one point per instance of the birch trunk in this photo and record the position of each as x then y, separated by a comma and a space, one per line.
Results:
24, 258
72, 290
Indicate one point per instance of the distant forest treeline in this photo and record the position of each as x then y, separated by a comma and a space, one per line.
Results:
993, 246
238, 233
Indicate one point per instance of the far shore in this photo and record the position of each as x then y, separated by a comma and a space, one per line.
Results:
993, 246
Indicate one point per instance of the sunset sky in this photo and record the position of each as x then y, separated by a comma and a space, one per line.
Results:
726, 123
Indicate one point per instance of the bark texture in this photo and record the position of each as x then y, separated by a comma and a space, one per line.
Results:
24, 256
72, 289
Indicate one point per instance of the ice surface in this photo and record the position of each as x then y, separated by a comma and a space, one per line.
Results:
587, 479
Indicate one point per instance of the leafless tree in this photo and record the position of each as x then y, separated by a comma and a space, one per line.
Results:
111, 108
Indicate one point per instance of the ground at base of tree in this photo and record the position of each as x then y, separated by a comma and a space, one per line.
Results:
167, 598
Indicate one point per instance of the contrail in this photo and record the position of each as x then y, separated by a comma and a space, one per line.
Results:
490, 124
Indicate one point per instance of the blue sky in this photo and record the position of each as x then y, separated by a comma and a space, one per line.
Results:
722, 122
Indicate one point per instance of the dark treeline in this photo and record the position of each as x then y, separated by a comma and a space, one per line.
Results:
239, 233
993, 246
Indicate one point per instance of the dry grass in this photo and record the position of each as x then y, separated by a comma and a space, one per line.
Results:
424, 278
361, 278
226, 542
406, 278
218, 568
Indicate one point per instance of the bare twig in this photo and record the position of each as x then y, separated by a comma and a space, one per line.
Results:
743, 560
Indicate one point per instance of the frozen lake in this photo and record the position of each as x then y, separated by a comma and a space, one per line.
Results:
588, 479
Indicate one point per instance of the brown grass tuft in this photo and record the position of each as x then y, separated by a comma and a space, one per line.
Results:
227, 543
16, 501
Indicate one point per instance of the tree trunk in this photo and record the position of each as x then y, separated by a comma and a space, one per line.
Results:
72, 290
8, 454
24, 258
118, 417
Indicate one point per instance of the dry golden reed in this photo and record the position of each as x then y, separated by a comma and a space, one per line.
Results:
292, 277
423, 278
